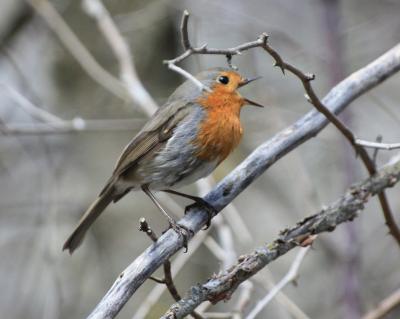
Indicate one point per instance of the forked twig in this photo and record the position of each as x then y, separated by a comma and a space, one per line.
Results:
168, 280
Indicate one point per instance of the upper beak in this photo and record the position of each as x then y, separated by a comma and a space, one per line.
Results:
246, 81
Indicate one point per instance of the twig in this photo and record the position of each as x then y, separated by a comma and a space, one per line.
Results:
377, 145
267, 281
144, 227
76, 125
252, 167
385, 306
288, 278
30, 108
221, 287
177, 265
128, 74
168, 279
187, 75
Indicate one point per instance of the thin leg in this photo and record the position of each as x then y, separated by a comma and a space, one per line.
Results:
181, 230
198, 202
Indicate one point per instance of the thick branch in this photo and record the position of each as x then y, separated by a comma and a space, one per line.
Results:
221, 286
243, 175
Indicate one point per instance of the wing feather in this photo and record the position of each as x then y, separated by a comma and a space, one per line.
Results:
159, 129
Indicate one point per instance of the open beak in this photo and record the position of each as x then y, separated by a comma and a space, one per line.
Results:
246, 81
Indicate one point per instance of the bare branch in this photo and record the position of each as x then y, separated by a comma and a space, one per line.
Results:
377, 145
77, 49
30, 108
128, 74
188, 76
73, 126
184, 31
221, 286
233, 184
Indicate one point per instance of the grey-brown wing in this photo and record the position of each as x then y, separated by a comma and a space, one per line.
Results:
157, 130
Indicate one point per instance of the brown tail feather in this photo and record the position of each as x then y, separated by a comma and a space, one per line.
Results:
94, 211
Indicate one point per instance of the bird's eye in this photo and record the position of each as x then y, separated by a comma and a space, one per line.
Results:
223, 79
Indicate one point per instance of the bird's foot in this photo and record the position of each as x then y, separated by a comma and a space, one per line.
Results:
200, 203
181, 231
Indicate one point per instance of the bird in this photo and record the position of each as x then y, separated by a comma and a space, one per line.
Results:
185, 140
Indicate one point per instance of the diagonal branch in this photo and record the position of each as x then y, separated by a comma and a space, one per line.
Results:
237, 181
221, 286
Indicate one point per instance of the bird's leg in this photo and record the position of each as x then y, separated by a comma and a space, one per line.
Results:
198, 202
181, 230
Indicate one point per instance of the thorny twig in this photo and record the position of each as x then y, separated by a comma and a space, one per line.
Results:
221, 286
168, 280
311, 96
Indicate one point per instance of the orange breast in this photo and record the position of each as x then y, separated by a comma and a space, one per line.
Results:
220, 131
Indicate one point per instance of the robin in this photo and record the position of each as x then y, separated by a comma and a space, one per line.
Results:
185, 140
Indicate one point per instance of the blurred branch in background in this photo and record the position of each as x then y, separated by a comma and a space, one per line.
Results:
221, 286
234, 183
77, 49
291, 276
385, 306
128, 74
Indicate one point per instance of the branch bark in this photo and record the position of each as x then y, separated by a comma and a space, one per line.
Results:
222, 286
233, 184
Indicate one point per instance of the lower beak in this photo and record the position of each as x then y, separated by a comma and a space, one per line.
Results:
250, 102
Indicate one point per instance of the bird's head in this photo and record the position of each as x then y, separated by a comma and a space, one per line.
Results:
221, 81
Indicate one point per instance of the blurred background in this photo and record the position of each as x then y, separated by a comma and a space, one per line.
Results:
54, 163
